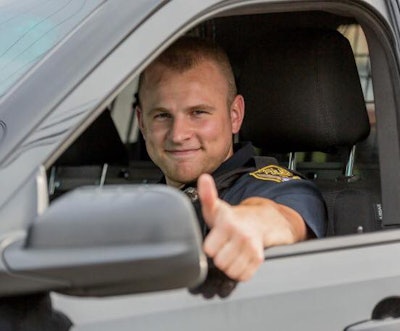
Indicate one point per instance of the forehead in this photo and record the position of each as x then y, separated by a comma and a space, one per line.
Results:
159, 73
161, 82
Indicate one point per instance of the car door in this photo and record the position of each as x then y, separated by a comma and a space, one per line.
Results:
328, 284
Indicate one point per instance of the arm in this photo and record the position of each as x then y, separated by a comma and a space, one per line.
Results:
240, 233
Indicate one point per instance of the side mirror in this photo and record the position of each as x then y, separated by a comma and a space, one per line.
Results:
108, 241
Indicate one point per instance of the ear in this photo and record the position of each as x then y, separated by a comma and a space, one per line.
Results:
237, 113
139, 116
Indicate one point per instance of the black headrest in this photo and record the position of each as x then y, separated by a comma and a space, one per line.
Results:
302, 93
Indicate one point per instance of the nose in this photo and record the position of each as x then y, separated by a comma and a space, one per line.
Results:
180, 130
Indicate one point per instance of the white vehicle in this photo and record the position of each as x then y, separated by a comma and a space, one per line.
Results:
80, 222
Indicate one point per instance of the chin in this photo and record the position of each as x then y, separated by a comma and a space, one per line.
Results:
185, 179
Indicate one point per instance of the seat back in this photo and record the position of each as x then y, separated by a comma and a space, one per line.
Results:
303, 94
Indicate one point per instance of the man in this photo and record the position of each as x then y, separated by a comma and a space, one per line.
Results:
188, 111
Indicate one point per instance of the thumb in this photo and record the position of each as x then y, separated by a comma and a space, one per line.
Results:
208, 196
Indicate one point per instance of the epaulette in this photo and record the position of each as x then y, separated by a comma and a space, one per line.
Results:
275, 173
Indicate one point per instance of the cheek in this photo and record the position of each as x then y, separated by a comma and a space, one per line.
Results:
216, 129
155, 133
209, 131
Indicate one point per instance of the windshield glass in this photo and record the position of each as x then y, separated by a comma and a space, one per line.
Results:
30, 28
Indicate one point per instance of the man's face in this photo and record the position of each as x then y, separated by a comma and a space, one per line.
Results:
186, 120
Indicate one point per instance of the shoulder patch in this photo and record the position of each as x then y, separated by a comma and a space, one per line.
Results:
274, 173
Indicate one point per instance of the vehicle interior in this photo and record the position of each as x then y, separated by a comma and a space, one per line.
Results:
307, 83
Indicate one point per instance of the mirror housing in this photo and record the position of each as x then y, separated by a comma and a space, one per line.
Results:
99, 241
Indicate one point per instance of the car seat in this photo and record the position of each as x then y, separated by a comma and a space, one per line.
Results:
303, 94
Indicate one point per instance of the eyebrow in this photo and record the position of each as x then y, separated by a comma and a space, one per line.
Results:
202, 106
157, 109
199, 106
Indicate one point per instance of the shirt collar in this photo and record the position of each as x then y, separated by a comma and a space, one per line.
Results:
242, 156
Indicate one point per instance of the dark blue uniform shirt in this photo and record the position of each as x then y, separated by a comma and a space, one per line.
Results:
271, 182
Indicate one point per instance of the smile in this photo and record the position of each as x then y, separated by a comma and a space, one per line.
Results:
183, 153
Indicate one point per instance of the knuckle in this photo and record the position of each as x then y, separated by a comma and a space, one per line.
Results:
209, 249
220, 263
247, 275
245, 239
232, 273
228, 226
259, 259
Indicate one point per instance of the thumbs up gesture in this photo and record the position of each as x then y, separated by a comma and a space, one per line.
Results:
239, 234
235, 246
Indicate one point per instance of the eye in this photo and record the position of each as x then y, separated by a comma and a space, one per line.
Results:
199, 112
162, 116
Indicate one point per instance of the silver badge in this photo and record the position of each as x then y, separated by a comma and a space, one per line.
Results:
191, 192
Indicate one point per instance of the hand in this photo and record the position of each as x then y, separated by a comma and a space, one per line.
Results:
235, 245
239, 234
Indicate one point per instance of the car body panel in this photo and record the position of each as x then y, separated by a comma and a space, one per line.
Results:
292, 293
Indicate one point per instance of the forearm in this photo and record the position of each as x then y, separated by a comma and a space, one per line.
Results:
279, 224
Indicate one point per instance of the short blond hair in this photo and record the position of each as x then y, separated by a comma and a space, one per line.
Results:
186, 53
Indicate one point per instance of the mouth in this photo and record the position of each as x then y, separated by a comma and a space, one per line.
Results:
182, 153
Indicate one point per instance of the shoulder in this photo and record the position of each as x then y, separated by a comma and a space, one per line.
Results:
285, 187
272, 182
274, 173
269, 181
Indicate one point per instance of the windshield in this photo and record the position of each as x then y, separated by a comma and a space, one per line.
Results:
30, 28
